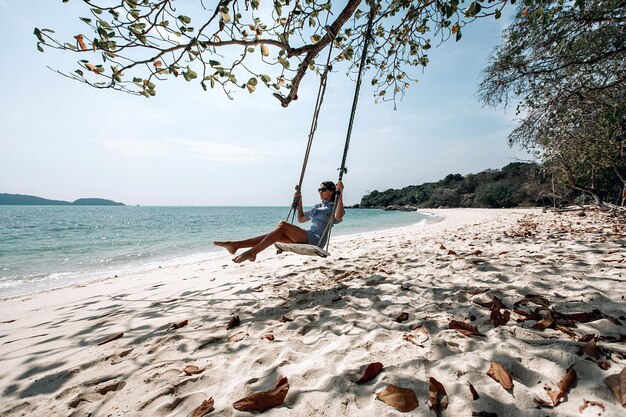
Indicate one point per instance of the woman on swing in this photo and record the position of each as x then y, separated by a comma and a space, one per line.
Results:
288, 233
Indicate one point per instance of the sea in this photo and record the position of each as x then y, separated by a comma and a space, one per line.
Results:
43, 247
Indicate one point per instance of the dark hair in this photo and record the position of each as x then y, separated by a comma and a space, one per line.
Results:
332, 187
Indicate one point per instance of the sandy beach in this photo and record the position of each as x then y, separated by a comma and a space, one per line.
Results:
395, 297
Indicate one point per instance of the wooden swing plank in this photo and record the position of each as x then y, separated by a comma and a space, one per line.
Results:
302, 249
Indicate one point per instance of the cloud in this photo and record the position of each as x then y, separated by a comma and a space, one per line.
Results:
186, 148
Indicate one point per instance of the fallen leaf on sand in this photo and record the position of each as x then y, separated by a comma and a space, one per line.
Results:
402, 399
451, 252
237, 337
475, 395
563, 385
192, 369
590, 403
372, 370
402, 317
234, 322
603, 364
442, 247
261, 401
285, 319
475, 252
589, 349
499, 374
545, 322
178, 325
112, 338
437, 396
464, 328
498, 318
503, 252
617, 384
204, 408
269, 337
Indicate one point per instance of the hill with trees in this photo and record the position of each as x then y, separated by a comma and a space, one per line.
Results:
30, 200
518, 184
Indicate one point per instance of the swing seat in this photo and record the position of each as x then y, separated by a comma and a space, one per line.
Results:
302, 249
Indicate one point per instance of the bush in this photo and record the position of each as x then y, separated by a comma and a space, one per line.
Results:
497, 195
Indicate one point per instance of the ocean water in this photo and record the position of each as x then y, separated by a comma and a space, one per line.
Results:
43, 247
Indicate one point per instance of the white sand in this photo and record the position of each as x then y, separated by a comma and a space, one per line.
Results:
343, 310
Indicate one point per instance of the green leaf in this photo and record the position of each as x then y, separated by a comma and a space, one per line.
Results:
498, 14
284, 62
265, 78
96, 11
252, 81
37, 33
85, 19
185, 19
39, 48
214, 63
137, 80
79, 72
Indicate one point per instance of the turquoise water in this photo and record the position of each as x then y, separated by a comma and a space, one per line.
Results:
49, 246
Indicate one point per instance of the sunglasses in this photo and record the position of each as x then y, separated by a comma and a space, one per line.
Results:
319, 190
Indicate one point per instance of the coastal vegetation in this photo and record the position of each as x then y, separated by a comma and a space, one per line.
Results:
564, 68
519, 184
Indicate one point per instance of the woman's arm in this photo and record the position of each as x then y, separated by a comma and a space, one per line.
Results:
339, 211
301, 217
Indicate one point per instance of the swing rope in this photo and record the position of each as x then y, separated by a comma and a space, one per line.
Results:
343, 169
318, 106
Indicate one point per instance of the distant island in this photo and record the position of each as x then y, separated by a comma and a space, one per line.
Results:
30, 200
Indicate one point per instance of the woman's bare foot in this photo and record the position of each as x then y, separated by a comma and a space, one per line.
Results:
246, 256
229, 246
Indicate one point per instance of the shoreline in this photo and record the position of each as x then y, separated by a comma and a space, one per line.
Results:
328, 318
87, 277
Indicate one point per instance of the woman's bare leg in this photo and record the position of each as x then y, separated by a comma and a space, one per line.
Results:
233, 245
284, 232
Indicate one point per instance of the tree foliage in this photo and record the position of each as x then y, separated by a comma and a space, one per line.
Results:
517, 184
131, 45
566, 64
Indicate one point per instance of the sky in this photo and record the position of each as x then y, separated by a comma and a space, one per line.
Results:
60, 139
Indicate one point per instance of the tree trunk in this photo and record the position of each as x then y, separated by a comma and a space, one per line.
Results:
589, 190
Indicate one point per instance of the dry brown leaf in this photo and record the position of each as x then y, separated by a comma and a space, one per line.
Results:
499, 374
269, 337
204, 408
193, 369
442, 247
81, 42
402, 399
261, 401
372, 370
285, 319
589, 349
545, 322
498, 318
464, 328
112, 338
617, 384
233, 322
264, 50
592, 404
567, 331
603, 364
564, 385
237, 337
475, 252
451, 252
503, 252
437, 396
402, 317
475, 395
178, 325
